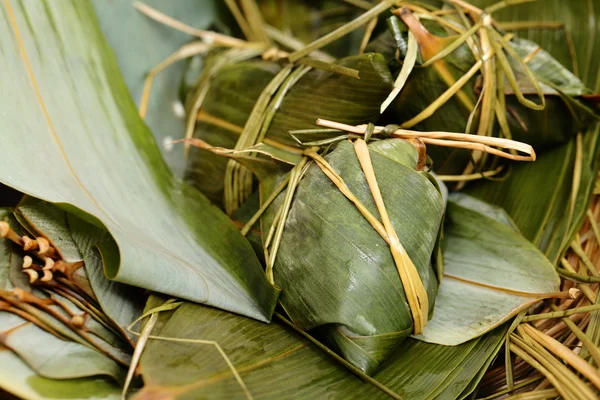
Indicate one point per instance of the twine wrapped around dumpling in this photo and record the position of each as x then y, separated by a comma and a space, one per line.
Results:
357, 260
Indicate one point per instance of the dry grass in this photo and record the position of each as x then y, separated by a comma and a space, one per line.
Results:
563, 359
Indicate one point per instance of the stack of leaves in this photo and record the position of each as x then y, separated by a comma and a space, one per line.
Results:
62, 324
342, 265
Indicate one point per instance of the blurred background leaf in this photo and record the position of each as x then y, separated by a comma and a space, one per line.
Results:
140, 44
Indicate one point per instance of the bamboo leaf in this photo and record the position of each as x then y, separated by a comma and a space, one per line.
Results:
17, 378
259, 352
95, 158
51, 357
484, 285
122, 303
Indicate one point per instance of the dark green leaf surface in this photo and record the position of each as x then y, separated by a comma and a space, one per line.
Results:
275, 362
337, 273
87, 150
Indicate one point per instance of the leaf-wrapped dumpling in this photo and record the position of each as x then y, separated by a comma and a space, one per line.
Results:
336, 272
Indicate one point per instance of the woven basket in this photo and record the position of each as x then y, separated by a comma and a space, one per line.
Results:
539, 371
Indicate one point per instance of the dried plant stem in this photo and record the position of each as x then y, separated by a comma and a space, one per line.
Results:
292, 43
137, 353
231, 56
367, 36
238, 180
255, 20
212, 37
342, 31
470, 177
265, 205
565, 354
414, 289
294, 180
186, 51
449, 139
407, 67
240, 19
562, 314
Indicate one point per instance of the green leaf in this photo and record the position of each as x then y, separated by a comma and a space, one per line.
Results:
51, 357
539, 196
336, 272
122, 303
17, 378
148, 43
484, 284
276, 362
87, 151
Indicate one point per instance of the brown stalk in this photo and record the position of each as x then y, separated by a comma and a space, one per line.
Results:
8, 233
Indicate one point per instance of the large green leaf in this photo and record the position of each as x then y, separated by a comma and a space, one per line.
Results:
484, 285
275, 362
87, 151
148, 43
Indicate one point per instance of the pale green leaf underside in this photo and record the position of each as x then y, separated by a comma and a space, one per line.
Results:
51, 357
76, 140
491, 273
17, 378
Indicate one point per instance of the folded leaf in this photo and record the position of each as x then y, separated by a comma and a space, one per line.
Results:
87, 151
336, 272
491, 272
